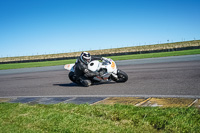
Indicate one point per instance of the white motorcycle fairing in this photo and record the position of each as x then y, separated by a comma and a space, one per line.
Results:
69, 67
108, 66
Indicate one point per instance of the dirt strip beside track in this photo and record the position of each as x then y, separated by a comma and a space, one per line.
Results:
136, 101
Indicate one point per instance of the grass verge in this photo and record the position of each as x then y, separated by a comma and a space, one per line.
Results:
16, 117
155, 55
122, 57
165, 46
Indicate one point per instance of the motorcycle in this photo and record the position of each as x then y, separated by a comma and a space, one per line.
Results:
108, 69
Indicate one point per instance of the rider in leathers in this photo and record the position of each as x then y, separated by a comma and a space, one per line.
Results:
82, 73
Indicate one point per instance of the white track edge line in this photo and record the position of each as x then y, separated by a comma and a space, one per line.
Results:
145, 96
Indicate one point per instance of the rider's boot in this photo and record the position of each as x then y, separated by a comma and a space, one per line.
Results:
85, 82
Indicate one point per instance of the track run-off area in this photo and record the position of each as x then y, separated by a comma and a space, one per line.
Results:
152, 82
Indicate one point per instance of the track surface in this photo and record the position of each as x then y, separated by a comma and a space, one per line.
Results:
164, 77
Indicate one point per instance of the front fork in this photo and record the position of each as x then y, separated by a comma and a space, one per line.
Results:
114, 74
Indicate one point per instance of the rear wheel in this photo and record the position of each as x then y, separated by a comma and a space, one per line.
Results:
122, 76
71, 77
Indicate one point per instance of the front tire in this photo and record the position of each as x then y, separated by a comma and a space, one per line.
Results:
122, 76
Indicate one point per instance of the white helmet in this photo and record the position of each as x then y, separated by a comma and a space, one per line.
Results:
85, 57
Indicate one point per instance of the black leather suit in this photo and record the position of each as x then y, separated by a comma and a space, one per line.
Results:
82, 71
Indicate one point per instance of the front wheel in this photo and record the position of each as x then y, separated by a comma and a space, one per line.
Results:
122, 76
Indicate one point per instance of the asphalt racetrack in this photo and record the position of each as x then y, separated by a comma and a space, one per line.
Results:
177, 76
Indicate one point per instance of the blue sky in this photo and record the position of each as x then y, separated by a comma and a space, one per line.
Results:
31, 27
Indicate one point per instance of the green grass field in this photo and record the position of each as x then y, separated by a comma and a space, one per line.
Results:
122, 57
66, 118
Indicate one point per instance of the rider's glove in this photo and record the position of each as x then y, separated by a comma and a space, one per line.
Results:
86, 71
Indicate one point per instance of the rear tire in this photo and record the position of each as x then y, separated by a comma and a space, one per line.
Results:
71, 77
122, 76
